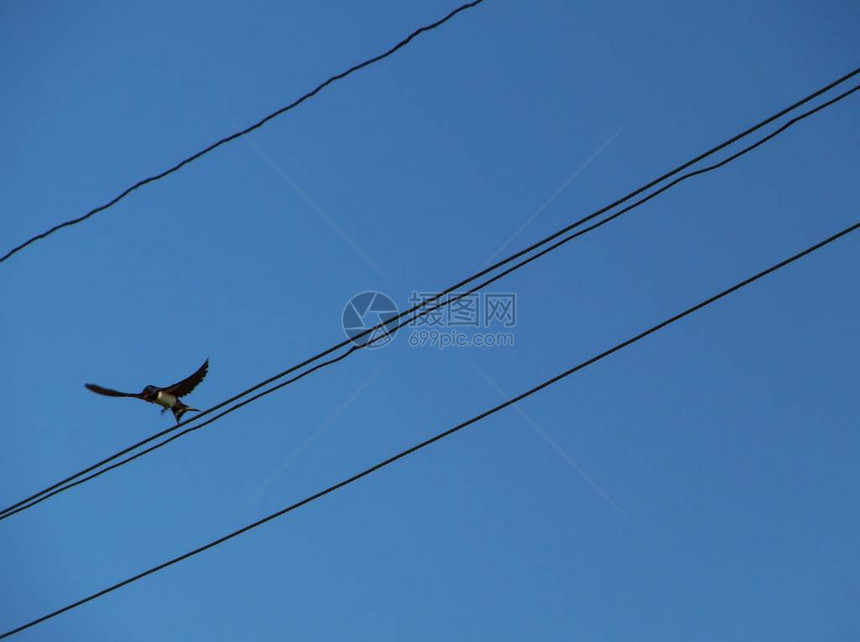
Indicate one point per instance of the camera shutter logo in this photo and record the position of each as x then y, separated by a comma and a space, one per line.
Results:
364, 311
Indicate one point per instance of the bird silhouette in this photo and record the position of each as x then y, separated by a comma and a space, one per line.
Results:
168, 397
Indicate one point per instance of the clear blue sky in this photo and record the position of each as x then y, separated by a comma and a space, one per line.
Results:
729, 442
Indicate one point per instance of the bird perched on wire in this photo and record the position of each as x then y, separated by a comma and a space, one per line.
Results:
168, 397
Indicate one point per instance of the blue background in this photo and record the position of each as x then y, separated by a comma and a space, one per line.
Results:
729, 441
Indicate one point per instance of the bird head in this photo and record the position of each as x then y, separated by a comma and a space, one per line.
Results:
149, 393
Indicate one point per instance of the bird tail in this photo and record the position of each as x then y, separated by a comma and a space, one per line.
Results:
180, 409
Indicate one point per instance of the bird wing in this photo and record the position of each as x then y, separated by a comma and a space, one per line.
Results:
188, 384
108, 392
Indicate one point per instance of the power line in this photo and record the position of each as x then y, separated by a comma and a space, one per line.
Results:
60, 487
247, 130
444, 434
88, 474
426, 311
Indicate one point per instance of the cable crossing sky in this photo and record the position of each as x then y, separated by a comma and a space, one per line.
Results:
425, 307
239, 134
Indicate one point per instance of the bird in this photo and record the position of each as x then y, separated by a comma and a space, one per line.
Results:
168, 397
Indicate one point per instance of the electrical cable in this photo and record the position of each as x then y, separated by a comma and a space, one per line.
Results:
236, 135
65, 484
